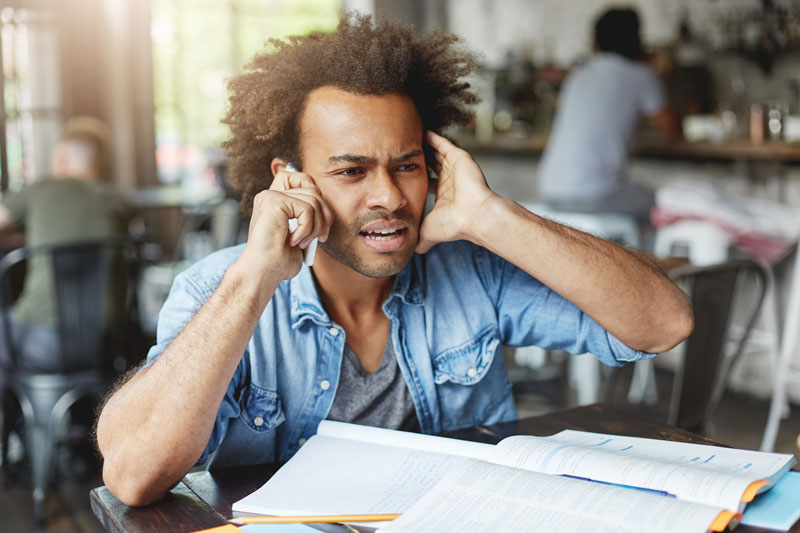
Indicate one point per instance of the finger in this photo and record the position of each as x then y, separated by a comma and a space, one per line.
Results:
439, 143
436, 164
323, 216
305, 226
309, 222
325, 209
300, 180
423, 245
285, 181
304, 213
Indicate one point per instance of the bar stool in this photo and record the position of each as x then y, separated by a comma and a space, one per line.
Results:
611, 226
702, 242
584, 369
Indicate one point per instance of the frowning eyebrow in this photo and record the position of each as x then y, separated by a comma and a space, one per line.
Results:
364, 160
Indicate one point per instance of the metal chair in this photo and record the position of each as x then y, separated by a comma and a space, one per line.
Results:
86, 277
701, 379
786, 370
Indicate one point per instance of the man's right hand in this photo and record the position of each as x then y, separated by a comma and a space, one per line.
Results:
271, 247
155, 427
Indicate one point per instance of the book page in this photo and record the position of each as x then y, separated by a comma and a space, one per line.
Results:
481, 497
712, 475
405, 439
341, 476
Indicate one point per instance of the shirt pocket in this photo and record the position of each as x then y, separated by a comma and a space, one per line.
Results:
261, 409
468, 363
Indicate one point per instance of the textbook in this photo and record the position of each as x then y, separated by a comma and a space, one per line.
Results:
570, 481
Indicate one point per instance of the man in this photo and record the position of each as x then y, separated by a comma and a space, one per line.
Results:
76, 204
584, 166
254, 349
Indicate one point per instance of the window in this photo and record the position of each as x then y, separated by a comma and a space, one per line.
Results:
197, 45
31, 93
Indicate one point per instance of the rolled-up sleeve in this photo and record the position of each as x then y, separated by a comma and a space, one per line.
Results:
531, 314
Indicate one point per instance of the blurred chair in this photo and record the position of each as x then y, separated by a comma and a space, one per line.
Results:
716, 293
785, 370
702, 242
209, 227
705, 243
93, 282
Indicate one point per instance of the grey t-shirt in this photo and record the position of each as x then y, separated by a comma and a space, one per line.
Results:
380, 399
599, 107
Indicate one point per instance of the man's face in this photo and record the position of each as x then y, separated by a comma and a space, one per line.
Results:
365, 155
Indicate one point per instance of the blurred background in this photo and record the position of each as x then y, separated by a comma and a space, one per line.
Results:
726, 179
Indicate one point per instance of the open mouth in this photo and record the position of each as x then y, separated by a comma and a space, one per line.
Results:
384, 234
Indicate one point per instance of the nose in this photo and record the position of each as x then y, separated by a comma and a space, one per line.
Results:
384, 192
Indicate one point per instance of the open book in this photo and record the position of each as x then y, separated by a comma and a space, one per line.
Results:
571, 481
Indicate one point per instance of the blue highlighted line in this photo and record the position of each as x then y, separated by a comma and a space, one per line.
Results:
632, 487
557, 449
707, 460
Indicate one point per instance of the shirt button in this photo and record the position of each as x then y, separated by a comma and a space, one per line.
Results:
472, 372
325, 385
333, 331
258, 421
301, 442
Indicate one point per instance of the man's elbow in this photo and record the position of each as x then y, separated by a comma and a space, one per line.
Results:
134, 481
677, 329
134, 489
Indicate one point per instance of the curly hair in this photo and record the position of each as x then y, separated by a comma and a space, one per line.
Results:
363, 56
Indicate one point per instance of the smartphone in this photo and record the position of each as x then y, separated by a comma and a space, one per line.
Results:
311, 251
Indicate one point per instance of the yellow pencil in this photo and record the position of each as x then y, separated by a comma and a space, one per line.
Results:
321, 519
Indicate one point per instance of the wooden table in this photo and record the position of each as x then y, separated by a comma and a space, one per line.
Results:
203, 499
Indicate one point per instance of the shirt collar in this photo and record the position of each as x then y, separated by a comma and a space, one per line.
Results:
307, 305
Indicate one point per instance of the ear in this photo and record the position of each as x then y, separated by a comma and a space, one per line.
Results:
276, 165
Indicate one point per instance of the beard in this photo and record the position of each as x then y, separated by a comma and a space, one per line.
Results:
341, 245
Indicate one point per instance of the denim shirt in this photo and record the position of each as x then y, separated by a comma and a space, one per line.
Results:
452, 310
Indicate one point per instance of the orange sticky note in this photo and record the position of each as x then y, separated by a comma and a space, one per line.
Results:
227, 528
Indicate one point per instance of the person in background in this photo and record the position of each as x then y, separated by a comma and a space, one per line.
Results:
584, 165
76, 204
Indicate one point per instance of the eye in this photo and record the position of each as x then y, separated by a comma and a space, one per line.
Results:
410, 167
353, 171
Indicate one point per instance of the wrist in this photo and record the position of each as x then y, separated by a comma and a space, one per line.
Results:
253, 279
488, 221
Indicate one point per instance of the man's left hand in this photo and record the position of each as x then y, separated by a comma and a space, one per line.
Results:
461, 192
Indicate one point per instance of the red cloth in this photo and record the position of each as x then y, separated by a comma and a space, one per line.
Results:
758, 246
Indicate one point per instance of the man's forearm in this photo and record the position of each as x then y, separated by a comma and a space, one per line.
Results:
625, 293
156, 426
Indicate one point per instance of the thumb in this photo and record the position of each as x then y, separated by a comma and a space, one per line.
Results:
424, 244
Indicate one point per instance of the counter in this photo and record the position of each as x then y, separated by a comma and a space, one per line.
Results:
728, 151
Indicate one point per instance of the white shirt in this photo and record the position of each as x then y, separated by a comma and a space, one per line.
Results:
599, 107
